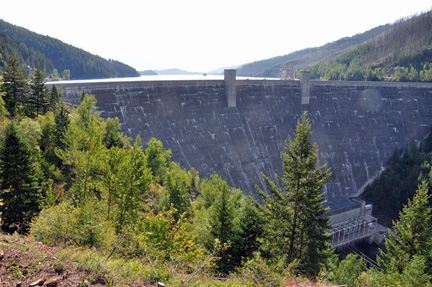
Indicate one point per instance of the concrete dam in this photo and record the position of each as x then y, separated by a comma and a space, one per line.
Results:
237, 128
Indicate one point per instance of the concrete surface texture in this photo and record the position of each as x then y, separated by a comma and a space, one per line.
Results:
356, 125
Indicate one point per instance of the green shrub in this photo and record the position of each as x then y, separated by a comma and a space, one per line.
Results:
56, 224
67, 224
258, 271
347, 271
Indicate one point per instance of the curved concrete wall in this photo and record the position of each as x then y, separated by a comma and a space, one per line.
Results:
356, 125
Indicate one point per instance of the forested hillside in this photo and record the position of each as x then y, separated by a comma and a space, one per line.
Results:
399, 181
25, 55
32, 48
307, 57
403, 53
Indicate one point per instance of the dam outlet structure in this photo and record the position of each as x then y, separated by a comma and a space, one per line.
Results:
237, 127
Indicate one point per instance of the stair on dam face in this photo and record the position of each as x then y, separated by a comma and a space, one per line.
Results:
356, 125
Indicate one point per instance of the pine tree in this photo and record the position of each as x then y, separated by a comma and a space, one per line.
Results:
21, 195
84, 150
3, 111
138, 142
209, 189
177, 191
226, 216
66, 74
347, 271
53, 99
15, 84
112, 136
62, 122
296, 226
125, 180
412, 235
222, 214
37, 102
248, 229
157, 159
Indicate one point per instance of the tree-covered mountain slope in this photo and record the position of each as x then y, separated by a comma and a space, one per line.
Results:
26, 56
390, 191
307, 57
32, 49
402, 53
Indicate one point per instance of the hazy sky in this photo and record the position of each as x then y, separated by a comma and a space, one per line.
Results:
200, 35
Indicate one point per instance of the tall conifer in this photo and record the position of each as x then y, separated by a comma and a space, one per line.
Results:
222, 214
15, 84
37, 101
296, 226
412, 235
3, 111
83, 149
21, 195
157, 159
53, 99
62, 122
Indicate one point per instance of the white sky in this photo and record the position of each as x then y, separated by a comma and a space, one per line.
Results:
202, 35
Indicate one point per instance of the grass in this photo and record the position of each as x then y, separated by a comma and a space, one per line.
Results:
93, 266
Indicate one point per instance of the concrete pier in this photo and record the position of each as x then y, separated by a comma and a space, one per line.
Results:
230, 88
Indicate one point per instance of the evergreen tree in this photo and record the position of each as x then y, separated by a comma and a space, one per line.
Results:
157, 159
112, 136
222, 217
412, 235
3, 111
193, 182
125, 180
55, 75
248, 229
48, 127
37, 102
138, 142
21, 195
53, 99
84, 150
66, 74
15, 84
347, 271
177, 191
30, 130
295, 227
222, 214
209, 190
49, 161
62, 122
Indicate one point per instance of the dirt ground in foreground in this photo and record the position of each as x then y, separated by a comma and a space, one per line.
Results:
26, 263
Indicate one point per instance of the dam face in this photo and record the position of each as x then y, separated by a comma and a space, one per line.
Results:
356, 125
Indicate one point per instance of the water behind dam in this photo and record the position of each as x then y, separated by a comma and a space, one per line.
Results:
157, 78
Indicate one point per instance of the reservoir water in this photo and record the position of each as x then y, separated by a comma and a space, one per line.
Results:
159, 78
